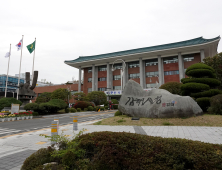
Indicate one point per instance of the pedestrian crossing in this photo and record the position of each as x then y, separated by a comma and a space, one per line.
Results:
8, 131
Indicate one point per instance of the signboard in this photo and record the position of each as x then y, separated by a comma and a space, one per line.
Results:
15, 108
113, 92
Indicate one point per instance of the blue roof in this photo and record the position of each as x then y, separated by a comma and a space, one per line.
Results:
196, 41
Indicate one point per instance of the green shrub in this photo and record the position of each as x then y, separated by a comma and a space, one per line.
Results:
78, 109
115, 106
66, 110
48, 108
209, 81
200, 73
216, 104
106, 107
195, 87
58, 102
32, 106
114, 101
204, 103
95, 109
118, 113
72, 110
199, 66
38, 158
82, 104
90, 108
35, 114
209, 93
102, 108
6, 102
172, 87
85, 109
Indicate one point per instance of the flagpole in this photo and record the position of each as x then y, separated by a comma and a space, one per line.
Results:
20, 68
33, 63
7, 71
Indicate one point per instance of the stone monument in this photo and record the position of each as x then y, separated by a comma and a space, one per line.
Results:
156, 103
26, 92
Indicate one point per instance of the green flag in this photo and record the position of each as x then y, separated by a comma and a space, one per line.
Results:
31, 47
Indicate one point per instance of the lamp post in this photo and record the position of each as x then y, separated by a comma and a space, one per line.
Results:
121, 71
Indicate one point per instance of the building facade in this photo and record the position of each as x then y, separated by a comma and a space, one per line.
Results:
149, 66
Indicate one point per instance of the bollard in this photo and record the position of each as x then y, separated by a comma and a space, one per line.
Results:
57, 119
54, 129
75, 123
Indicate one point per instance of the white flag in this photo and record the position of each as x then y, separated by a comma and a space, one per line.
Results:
7, 54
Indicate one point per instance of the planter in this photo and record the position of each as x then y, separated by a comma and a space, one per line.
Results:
26, 117
9, 119
3, 119
13, 118
18, 118
23, 117
30, 117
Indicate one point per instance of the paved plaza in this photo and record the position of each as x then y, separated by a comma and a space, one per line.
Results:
16, 148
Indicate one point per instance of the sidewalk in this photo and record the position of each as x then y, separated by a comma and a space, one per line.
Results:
15, 149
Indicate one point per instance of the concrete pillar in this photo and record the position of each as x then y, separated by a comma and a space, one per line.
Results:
202, 56
96, 78
181, 66
108, 77
93, 77
160, 69
80, 74
142, 73
125, 76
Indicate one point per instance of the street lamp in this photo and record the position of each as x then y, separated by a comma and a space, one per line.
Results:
121, 71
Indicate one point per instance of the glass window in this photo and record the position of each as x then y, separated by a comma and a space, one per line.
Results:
116, 87
169, 60
152, 74
117, 66
102, 89
187, 58
102, 79
117, 77
133, 64
134, 76
152, 62
102, 68
89, 90
89, 79
151, 85
90, 70
171, 72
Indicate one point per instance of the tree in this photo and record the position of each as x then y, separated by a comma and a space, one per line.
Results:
216, 63
61, 94
201, 84
98, 97
172, 87
44, 97
80, 96
6, 102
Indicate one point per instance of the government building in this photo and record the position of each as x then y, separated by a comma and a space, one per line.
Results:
150, 66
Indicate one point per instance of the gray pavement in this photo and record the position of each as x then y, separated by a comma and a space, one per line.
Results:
16, 148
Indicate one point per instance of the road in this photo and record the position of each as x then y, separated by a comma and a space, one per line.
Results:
20, 126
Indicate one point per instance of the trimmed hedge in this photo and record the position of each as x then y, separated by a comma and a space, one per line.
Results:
66, 110
216, 104
172, 87
196, 87
72, 110
32, 106
78, 109
102, 108
118, 113
204, 103
82, 104
199, 66
209, 81
6, 102
85, 109
106, 107
209, 93
200, 72
90, 108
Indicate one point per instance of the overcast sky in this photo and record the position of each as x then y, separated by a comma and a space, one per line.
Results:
65, 30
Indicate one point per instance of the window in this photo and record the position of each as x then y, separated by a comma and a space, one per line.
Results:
89, 90
152, 62
117, 66
169, 60
102, 68
117, 77
187, 58
116, 87
152, 74
166, 73
134, 64
151, 85
102, 79
90, 70
102, 89
134, 76
89, 79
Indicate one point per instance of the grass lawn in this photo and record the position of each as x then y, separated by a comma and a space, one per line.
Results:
205, 120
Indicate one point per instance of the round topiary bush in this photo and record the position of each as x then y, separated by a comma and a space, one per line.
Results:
195, 87
209, 93
6, 102
32, 106
90, 108
172, 87
216, 104
66, 110
118, 113
85, 109
204, 103
72, 110
78, 109
102, 108
209, 81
